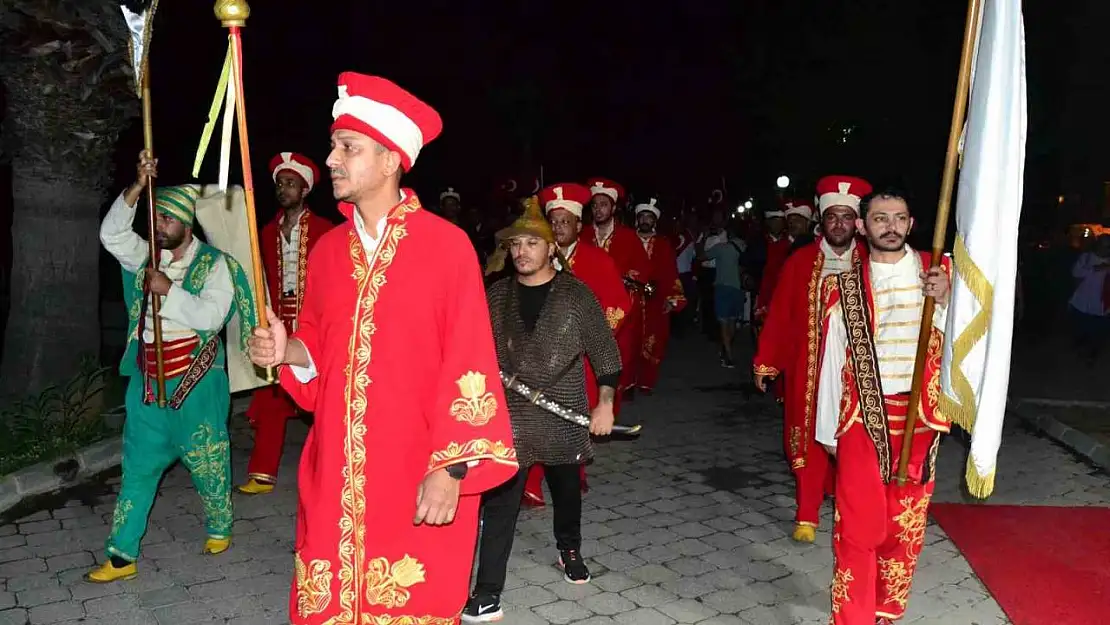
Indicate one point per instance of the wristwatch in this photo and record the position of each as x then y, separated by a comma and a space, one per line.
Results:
457, 471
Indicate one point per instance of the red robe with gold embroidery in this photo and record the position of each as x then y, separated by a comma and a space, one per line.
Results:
657, 320
596, 269
407, 384
625, 248
790, 345
777, 251
271, 407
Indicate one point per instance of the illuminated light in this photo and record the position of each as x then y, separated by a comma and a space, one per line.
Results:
783, 182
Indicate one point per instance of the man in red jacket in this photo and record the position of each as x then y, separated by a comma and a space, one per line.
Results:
790, 342
624, 247
285, 244
667, 296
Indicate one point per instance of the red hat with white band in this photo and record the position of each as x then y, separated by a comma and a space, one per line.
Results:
569, 196
846, 191
650, 207
386, 113
604, 186
799, 207
298, 164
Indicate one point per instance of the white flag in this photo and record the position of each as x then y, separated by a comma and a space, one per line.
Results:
975, 372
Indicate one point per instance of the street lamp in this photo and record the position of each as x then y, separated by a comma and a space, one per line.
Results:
783, 182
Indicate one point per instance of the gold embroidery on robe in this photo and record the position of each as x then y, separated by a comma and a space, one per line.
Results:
370, 619
313, 586
765, 370
370, 277
475, 405
495, 450
912, 520
613, 316
387, 584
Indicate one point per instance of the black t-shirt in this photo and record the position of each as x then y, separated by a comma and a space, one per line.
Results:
532, 299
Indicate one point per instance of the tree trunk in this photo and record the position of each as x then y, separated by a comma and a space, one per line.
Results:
55, 295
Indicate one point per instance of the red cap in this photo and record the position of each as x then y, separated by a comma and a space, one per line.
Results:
569, 196
386, 113
841, 191
604, 186
298, 164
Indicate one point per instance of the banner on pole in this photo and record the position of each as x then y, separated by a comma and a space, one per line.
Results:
975, 370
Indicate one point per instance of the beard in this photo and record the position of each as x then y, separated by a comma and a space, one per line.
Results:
840, 239
169, 241
888, 242
645, 228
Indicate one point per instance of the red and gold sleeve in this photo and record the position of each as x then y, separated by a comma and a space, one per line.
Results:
469, 419
308, 324
667, 284
775, 340
608, 287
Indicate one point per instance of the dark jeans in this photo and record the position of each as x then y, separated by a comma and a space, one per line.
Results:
1090, 332
500, 508
709, 325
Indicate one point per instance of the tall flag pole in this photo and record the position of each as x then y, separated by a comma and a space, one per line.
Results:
140, 27
940, 231
975, 368
233, 15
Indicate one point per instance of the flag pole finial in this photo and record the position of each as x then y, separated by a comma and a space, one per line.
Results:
232, 12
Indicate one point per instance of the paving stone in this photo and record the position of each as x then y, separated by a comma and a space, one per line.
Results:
70, 561
561, 612
608, 603
644, 616
111, 605
42, 596
14, 616
55, 612
648, 596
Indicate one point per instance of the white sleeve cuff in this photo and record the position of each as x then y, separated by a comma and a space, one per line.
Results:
307, 374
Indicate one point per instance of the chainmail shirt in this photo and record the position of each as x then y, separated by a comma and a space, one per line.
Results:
570, 324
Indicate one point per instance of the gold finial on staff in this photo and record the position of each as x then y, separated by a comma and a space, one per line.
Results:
232, 12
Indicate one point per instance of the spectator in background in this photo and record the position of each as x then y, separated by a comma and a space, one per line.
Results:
1089, 300
728, 294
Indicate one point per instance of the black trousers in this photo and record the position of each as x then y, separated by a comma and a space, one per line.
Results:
500, 509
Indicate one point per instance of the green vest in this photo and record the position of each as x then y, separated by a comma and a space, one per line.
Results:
195, 277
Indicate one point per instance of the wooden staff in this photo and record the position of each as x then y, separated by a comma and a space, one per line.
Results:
155, 300
940, 231
233, 15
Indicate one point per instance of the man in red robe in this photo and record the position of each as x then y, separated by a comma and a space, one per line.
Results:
667, 296
622, 244
563, 205
791, 339
870, 341
776, 248
394, 354
286, 243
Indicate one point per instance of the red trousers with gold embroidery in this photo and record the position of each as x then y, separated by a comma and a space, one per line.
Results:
630, 336
879, 528
811, 483
270, 410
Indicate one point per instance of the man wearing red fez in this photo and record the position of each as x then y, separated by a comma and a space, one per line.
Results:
667, 296
564, 205
624, 247
395, 356
869, 348
790, 342
285, 244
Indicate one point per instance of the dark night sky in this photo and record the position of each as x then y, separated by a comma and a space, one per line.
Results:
665, 98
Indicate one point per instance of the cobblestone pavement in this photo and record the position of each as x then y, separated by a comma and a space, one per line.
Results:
687, 525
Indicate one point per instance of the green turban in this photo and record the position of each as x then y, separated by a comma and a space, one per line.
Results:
179, 202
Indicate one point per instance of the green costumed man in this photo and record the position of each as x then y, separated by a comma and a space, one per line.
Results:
200, 289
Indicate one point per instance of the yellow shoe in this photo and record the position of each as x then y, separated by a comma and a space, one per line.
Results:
805, 533
106, 573
254, 487
214, 546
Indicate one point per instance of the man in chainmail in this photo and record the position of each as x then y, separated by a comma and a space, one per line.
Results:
543, 321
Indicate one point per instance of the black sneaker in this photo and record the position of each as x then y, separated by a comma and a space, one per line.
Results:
574, 568
484, 609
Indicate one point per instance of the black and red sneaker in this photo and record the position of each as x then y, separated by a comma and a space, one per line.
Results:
574, 568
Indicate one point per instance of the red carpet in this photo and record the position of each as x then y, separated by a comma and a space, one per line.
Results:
1044, 565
